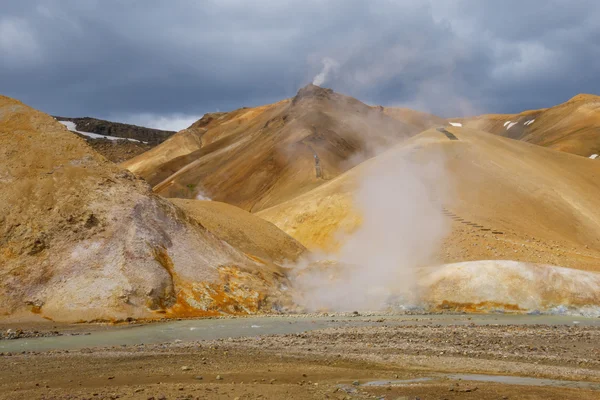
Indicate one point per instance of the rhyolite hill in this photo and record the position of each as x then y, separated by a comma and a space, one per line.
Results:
82, 239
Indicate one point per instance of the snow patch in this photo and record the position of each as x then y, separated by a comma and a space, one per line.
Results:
455, 124
594, 156
73, 128
510, 125
506, 123
531, 121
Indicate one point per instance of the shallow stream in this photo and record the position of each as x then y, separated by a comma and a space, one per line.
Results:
208, 329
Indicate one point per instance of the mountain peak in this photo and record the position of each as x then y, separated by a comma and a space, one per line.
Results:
584, 97
312, 91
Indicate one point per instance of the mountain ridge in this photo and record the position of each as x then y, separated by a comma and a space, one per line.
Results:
572, 126
256, 157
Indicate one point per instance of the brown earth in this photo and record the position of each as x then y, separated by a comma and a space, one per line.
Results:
332, 363
258, 157
117, 151
573, 126
82, 239
109, 128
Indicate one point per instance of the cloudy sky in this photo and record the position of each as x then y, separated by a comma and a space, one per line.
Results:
165, 63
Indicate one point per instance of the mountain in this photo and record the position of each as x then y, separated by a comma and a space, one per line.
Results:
572, 127
114, 140
419, 120
117, 129
478, 197
535, 196
255, 158
257, 238
82, 239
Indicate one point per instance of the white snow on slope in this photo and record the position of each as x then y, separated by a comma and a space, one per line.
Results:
455, 124
594, 156
72, 127
510, 125
529, 122
506, 123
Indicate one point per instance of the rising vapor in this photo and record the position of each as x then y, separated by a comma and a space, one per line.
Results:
329, 66
402, 228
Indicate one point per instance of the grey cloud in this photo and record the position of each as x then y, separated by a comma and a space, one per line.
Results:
155, 58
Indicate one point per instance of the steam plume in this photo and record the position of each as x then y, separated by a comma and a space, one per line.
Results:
329, 66
402, 228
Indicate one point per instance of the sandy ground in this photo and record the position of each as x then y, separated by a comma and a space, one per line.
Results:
333, 363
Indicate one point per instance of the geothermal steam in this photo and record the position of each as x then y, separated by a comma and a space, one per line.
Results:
329, 66
202, 196
402, 228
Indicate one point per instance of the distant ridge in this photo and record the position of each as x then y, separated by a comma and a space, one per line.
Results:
108, 128
137, 139
572, 127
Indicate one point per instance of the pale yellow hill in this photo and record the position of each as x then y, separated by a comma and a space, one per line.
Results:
466, 221
258, 157
157, 164
82, 239
572, 127
506, 200
254, 236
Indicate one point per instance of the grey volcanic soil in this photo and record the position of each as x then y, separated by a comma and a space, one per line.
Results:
118, 129
337, 363
118, 151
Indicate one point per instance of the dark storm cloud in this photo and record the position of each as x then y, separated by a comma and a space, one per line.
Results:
142, 60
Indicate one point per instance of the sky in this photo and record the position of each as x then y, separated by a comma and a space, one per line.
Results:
164, 64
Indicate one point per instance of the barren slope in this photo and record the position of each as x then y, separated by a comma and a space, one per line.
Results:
253, 235
80, 238
256, 158
540, 197
508, 200
573, 126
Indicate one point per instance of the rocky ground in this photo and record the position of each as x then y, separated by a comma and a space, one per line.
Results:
488, 241
335, 363
118, 150
118, 129
10, 334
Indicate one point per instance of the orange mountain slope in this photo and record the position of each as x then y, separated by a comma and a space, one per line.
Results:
256, 158
462, 219
502, 199
82, 239
572, 127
